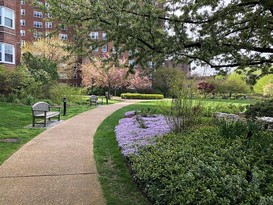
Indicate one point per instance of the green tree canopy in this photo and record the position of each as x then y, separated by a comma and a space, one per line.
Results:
234, 83
163, 79
262, 83
41, 68
216, 32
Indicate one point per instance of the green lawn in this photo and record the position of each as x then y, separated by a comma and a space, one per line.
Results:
117, 184
14, 119
233, 101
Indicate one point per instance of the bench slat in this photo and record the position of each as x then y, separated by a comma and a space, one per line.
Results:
42, 110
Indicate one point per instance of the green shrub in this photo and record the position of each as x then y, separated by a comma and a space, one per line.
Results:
148, 111
237, 128
230, 108
12, 98
260, 109
141, 96
202, 167
59, 91
29, 100
2, 98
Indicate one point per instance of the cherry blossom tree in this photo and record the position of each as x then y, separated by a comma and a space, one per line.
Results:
105, 75
140, 81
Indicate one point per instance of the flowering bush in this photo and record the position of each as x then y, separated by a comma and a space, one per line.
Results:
138, 131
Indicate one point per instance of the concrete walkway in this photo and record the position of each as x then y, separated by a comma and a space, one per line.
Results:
57, 167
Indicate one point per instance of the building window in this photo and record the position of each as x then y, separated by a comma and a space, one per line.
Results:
23, 43
38, 24
7, 17
131, 62
37, 34
63, 27
38, 14
63, 36
48, 34
22, 22
96, 49
48, 25
63, 75
104, 48
22, 32
22, 2
104, 36
23, 12
46, 4
114, 50
7, 53
150, 64
94, 35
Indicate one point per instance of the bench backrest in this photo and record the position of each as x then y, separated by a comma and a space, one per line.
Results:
93, 98
40, 107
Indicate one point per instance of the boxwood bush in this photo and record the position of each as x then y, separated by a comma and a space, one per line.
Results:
203, 167
141, 96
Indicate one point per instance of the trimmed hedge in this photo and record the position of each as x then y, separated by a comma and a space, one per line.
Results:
141, 96
202, 167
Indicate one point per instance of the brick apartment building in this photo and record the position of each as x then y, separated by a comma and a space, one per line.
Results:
21, 22
9, 44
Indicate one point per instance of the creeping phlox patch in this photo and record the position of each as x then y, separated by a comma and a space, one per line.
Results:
136, 131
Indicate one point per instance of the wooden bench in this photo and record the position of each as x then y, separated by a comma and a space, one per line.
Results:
95, 100
42, 110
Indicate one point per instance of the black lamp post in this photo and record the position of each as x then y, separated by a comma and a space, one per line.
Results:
64, 106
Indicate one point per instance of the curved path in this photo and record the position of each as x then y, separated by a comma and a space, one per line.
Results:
57, 167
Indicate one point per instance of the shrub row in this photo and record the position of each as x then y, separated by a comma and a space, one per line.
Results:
141, 96
203, 167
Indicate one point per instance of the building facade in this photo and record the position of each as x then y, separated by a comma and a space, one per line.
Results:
22, 22
9, 44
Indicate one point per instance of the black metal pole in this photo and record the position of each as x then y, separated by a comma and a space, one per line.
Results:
106, 97
64, 101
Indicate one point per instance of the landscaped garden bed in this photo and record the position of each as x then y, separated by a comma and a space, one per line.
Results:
215, 162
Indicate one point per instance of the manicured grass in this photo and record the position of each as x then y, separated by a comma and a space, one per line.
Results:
14, 119
233, 101
117, 183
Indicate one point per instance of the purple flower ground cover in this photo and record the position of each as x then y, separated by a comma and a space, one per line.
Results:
131, 135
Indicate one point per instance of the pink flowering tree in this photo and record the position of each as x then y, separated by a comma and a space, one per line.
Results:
104, 74
139, 80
